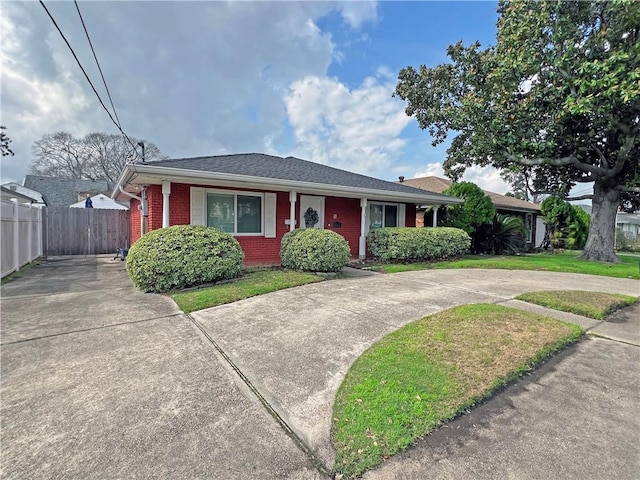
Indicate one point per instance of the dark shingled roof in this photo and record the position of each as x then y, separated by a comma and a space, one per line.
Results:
62, 192
289, 168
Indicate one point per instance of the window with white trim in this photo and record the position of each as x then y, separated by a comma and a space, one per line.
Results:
237, 213
383, 215
529, 227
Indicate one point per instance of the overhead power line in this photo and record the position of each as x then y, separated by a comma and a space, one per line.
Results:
87, 77
97, 62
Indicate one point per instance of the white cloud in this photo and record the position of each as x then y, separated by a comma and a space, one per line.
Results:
357, 13
355, 129
487, 178
430, 170
195, 78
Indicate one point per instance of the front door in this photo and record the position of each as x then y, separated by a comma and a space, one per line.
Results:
311, 211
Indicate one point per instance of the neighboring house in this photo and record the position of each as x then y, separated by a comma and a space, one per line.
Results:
100, 201
62, 192
36, 197
527, 211
628, 223
258, 198
12, 194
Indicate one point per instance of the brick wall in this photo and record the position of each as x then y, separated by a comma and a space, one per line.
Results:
134, 220
347, 211
154, 202
180, 201
258, 249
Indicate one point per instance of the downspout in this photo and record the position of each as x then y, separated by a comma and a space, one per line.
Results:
143, 205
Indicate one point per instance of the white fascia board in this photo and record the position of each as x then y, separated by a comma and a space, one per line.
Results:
227, 179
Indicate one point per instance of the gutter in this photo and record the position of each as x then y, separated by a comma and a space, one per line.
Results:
122, 190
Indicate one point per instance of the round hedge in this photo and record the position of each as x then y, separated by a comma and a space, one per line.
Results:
183, 256
314, 250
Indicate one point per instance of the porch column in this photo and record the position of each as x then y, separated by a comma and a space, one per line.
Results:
435, 215
166, 191
362, 248
292, 212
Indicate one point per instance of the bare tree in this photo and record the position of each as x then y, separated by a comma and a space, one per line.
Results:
97, 156
59, 154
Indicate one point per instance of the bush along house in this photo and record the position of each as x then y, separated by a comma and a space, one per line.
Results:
258, 198
527, 211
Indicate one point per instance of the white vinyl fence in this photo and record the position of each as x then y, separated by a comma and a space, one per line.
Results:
21, 232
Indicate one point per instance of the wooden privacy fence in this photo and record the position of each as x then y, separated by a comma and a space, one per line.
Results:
21, 235
85, 231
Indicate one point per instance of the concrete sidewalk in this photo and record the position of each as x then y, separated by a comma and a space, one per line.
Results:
101, 381
296, 345
575, 417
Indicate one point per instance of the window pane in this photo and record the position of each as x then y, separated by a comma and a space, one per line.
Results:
220, 212
249, 214
390, 216
375, 216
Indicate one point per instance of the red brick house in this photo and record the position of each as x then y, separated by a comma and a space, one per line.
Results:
258, 198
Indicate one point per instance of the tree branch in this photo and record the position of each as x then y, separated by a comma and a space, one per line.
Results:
559, 162
580, 197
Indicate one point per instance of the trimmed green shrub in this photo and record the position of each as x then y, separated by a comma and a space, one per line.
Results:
314, 250
183, 256
409, 244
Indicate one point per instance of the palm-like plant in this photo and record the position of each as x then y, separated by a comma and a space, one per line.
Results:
505, 234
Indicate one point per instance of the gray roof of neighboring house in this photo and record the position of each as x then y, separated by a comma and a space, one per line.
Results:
62, 192
28, 192
630, 218
289, 168
8, 193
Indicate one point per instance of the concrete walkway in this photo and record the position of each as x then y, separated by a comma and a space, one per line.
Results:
101, 381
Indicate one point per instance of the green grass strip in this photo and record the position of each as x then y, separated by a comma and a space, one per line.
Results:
257, 282
431, 370
596, 305
566, 262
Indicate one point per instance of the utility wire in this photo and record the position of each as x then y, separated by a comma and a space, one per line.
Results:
104, 81
97, 62
87, 77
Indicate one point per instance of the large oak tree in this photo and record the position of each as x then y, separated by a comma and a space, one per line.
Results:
557, 99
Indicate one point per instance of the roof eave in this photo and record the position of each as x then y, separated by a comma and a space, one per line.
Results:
169, 173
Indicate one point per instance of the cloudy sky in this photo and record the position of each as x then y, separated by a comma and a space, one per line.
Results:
309, 79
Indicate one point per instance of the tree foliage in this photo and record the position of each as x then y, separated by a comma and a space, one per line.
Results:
476, 211
4, 142
97, 156
567, 225
557, 98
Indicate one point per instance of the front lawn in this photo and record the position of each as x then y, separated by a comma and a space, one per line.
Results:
252, 283
588, 304
431, 370
557, 262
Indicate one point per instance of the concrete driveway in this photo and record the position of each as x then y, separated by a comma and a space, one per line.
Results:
296, 345
99, 380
